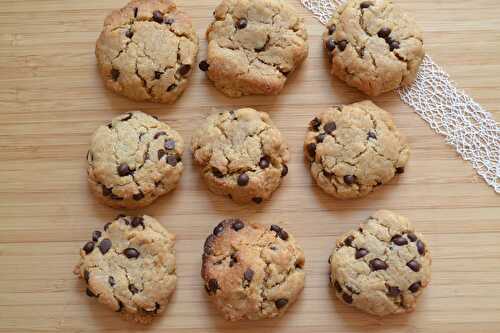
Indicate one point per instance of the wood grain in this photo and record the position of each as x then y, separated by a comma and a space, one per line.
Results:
52, 99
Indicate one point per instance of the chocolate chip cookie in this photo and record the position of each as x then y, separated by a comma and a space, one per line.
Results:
252, 271
130, 266
354, 148
147, 51
253, 45
241, 153
373, 46
382, 267
133, 160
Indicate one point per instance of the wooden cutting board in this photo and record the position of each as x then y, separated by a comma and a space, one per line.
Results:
52, 99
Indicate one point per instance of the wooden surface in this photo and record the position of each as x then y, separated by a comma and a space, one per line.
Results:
52, 99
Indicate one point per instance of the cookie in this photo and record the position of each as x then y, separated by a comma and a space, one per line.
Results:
354, 148
133, 160
382, 267
147, 51
252, 271
373, 46
241, 153
130, 267
253, 45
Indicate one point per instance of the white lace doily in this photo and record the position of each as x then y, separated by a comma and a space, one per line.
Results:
449, 111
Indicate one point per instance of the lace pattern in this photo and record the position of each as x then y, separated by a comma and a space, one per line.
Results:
449, 111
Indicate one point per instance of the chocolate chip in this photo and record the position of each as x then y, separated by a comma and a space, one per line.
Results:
311, 150
88, 247
320, 137
243, 179
360, 253
169, 144
219, 229
315, 124
264, 162
330, 127
366, 4
115, 197
414, 287
337, 286
172, 160
203, 65
233, 260
138, 196
133, 289
399, 240
371, 135
248, 275
414, 265
129, 34
332, 29
257, 200
158, 75
377, 264
216, 172
400, 170
349, 179
111, 281
158, 134
106, 226
157, 16
135, 11
238, 225
241, 23
392, 291
137, 221
342, 45
105, 245
169, 20
330, 44
283, 235
347, 298
184, 70
284, 170
115, 74
90, 293
411, 237
86, 276
213, 285
281, 302
384, 32
349, 239
110, 125
161, 153
130, 253
171, 87
96, 235
123, 170
275, 228
394, 45
420, 247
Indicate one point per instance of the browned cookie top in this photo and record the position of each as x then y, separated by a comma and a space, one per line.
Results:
146, 50
252, 271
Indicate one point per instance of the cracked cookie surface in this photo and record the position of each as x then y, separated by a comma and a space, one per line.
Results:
382, 267
242, 154
130, 267
373, 46
133, 160
253, 45
354, 148
252, 271
147, 51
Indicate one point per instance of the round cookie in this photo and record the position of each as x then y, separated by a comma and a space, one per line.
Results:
133, 160
130, 267
253, 45
373, 46
252, 271
147, 50
382, 267
354, 148
242, 154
